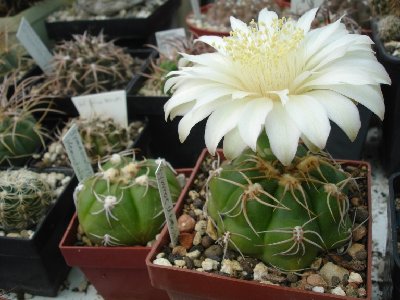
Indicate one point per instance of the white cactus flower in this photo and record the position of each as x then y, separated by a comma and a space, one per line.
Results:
279, 76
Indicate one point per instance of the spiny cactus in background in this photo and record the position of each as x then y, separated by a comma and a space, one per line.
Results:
101, 136
90, 64
24, 197
245, 10
385, 7
106, 7
20, 133
120, 205
160, 67
282, 215
389, 28
13, 7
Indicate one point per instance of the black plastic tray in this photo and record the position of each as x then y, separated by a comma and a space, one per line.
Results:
393, 256
390, 147
36, 266
132, 28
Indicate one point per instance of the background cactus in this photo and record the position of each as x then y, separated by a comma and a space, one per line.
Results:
120, 205
90, 64
389, 28
20, 133
101, 136
282, 215
24, 197
385, 7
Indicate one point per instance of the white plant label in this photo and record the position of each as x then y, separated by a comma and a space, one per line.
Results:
34, 45
76, 153
166, 202
110, 104
301, 6
165, 37
196, 9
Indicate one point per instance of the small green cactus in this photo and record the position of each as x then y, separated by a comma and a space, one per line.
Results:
282, 215
20, 133
24, 197
101, 136
120, 205
90, 64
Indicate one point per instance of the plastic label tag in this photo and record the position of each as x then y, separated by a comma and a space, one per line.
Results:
76, 153
166, 38
109, 104
196, 9
301, 6
34, 45
166, 201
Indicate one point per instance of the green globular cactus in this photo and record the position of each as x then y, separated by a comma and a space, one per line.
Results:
120, 205
90, 64
20, 133
283, 215
24, 198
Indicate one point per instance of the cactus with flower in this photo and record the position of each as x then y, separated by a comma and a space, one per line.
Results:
270, 91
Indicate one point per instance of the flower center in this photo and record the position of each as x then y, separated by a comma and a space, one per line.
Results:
265, 54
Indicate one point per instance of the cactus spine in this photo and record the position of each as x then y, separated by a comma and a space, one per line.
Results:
282, 215
120, 205
20, 134
24, 197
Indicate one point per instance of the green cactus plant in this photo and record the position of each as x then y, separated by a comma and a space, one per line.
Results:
283, 215
101, 136
90, 64
24, 197
120, 205
20, 133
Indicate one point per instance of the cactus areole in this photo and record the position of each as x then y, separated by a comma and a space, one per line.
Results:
120, 205
283, 215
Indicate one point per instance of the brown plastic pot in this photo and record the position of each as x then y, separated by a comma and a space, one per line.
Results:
185, 284
283, 3
117, 273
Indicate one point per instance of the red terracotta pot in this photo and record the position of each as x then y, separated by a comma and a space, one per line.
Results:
185, 284
199, 31
117, 273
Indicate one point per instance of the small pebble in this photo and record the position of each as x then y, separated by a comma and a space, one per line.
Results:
2, 233
197, 263
351, 291
198, 203
197, 238
355, 278
189, 262
160, 255
186, 223
201, 226
318, 289
13, 235
162, 262
209, 264
207, 241
186, 239
338, 291
354, 248
292, 278
335, 280
193, 254
180, 250
230, 266
214, 251
316, 280
359, 232
361, 214
362, 292
180, 263
259, 270
211, 230
329, 270
316, 264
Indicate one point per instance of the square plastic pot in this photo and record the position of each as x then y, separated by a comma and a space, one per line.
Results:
186, 284
130, 28
390, 147
36, 266
117, 273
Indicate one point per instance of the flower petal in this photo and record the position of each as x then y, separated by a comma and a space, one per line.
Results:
305, 20
214, 41
195, 116
238, 25
368, 95
310, 117
266, 17
250, 128
233, 144
221, 121
340, 110
282, 133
